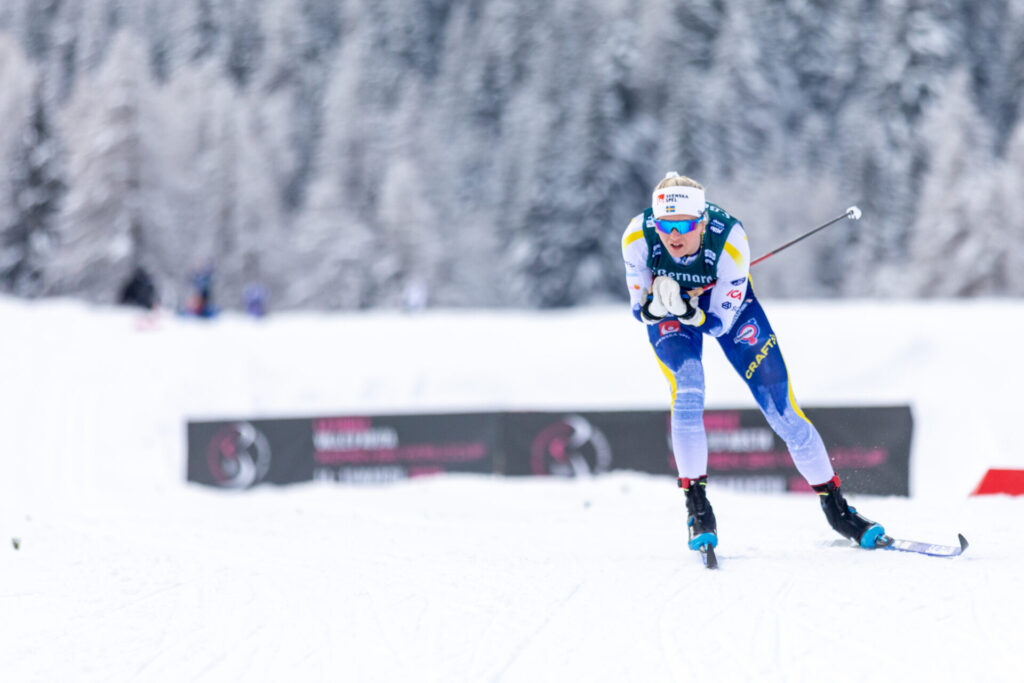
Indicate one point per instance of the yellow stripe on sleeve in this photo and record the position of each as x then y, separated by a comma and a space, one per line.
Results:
632, 237
735, 253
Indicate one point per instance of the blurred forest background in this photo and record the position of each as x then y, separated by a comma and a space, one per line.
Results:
491, 152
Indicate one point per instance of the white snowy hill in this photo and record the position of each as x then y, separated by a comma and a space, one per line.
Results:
125, 572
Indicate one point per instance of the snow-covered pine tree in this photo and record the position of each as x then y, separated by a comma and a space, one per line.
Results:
740, 99
101, 224
955, 228
1010, 198
17, 84
37, 188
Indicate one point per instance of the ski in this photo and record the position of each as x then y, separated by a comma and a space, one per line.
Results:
932, 549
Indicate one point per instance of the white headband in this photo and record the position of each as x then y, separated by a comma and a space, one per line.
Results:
678, 200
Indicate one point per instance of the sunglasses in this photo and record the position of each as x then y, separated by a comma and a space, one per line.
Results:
682, 227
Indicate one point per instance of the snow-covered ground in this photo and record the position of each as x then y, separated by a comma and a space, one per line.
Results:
125, 572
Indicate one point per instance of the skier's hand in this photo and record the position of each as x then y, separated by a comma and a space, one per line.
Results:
666, 292
651, 312
693, 316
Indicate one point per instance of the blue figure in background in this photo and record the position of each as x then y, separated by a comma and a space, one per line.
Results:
254, 296
200, 302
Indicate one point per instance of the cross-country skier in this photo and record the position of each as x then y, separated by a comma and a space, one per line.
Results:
671, 251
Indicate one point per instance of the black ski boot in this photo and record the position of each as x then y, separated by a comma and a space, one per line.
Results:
845, 519
700, 518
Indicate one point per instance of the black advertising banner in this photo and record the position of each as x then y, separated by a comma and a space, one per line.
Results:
244, 453
241, 454
870, 447
575, 444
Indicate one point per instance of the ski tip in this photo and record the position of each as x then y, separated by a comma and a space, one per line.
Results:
963, 542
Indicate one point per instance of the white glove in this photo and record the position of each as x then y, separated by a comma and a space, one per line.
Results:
694, 316
650, 312
667, 297
656, 308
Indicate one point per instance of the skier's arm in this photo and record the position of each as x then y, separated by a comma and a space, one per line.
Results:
638, 275
731, 286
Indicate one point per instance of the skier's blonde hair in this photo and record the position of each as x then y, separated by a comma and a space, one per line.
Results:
673, 179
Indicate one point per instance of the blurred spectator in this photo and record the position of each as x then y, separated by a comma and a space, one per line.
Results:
139, 290
254, 297
415, 296
200, 302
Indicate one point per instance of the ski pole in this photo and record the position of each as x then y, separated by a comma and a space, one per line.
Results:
853, 213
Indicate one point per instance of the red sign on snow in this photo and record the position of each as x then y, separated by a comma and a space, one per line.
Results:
1001, 481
